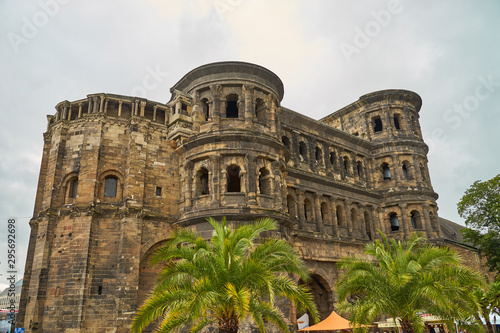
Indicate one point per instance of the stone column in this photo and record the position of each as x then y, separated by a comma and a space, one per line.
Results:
396, 169
154, 112
319, 218
348, 216
89, 110
96, 104
101, 104
120, 108
272, 114
188, 174
252, 178
79, 110
143, 107
249, 105
215, 194
106, 106
335, 222
427, 220
216, 92
300, 206
295, 149
404, 220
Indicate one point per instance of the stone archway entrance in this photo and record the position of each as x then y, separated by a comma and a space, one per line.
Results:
323, 295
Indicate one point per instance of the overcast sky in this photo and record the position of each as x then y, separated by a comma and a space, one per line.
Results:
327, 53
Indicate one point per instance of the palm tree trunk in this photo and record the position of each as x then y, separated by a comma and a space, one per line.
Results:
406, 325
489, 326
228, 325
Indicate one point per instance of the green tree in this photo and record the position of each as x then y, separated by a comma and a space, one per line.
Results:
404, 280
480, 207
489, 302
224, 280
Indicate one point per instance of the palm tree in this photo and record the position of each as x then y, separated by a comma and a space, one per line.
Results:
489, 303
405, 280
224, 280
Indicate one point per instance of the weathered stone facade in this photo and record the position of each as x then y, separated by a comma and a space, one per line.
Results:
119, 173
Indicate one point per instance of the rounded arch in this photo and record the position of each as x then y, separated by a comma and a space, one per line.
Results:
416, 219
302, 151
368, 223
354, 219
206, 108
386, 171
325, 212
260, 110
201, 182
265, 181
308, 210
70, 187
340, 216
111, 186
232, 106
233, 178
394, 221
322, 293
405, 168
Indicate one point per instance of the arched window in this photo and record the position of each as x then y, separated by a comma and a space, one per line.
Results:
325, 216
393, 218
73, 188
302, 151
359, 169
265, 182
367, 225
397, 121
290, 202
202, 188
354, 219
340, 215
110, 186
232, 106
415, 220
286, 141
233, 179
386, 171
346, 165
405, 168
317, 154
260, 110
377, 124
206, 108
308, 210
333, 160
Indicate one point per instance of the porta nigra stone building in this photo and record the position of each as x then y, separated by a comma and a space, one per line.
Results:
119, 173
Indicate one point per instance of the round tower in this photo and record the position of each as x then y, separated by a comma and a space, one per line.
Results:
233, 160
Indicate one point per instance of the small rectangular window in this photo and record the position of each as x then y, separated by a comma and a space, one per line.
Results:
158, 191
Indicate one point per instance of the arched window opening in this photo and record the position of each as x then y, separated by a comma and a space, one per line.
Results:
232, 106
308, 210
290, 203
397, 121
286, 141
233, 178
393, 218
325, 217
265, 181
377, 124
73, 188
386, 171
346, 165
302, 151
260, 110
415, 220
206, 108
317, 154
359, 169
110, 186
404, 167
333, 159
340, 215
203, 188
367, 225
354, 219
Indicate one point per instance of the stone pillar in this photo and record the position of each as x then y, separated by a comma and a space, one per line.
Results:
136, 108
247, 92
335, 222
95, 104
396, 169
120, 108
188, 174
295, 149
215, 194
348, 216
79, 110
89, 110
216, 92
252, 178
143, 107
300, 206
106, 106
319, 219
154, 112
101, 104
427, 220
404, 220
272, 114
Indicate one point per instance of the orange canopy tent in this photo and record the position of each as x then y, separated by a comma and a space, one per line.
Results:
331, 323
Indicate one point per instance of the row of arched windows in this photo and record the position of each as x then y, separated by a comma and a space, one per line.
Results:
109, 189
232, 109
346, 163
397, 122
405, 171
233, 184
